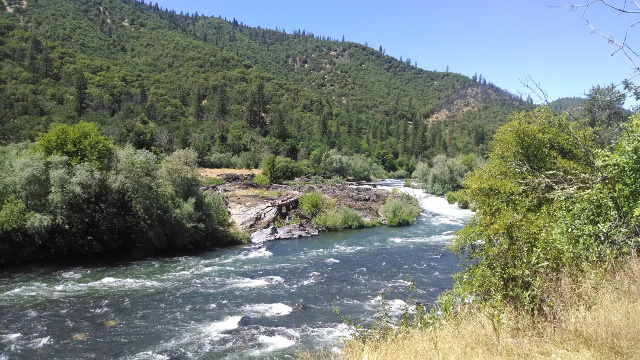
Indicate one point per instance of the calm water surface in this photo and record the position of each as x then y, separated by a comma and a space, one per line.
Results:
254, 301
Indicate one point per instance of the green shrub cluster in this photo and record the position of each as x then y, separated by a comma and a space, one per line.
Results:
53, 206
400, 209
313, 203
445, 173
338, 219
262, 180
550, 200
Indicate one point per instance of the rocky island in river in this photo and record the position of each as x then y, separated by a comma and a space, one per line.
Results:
273, 212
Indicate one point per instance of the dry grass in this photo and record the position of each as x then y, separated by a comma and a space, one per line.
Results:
207, 173
256, 193
597, 318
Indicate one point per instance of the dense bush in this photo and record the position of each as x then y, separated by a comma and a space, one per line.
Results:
400, 209
338, 219
313, 203
53, 206
80, 143
262, 180
548, 201
445, 174
278, 169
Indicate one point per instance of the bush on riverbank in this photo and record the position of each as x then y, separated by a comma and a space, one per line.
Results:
61, 204
313, 203
596, 317
338, 219
556, 220
400, 209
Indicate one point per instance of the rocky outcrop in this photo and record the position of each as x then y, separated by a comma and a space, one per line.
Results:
257, 211
285, 232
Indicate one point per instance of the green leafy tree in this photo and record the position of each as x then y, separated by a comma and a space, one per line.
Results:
81, 142
538, 162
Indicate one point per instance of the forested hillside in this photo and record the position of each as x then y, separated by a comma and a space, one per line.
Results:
164, 81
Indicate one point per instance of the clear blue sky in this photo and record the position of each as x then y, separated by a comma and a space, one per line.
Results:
506, 41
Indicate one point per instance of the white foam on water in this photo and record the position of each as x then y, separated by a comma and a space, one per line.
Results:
10, 337
71, 275
216, 329
395, 307
147, 355
39, 343
329, 334
435, 204
312, 278
249, 283
275, 342
332, 260
268, 310
348, 249
403, 283
120, 283
246, 255
434, 239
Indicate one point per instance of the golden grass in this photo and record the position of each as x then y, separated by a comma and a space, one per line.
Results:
207, 173
597, 318
256, 193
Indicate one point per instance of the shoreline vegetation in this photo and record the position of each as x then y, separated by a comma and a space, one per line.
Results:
594, 317
549, 260
73, 194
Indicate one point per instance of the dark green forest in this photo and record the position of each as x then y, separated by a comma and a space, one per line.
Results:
163, 81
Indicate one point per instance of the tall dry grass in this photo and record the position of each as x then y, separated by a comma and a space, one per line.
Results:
597, 317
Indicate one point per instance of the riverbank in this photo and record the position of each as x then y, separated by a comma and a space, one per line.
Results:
594, 317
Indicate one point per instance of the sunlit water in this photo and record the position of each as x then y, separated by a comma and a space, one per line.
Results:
254, 301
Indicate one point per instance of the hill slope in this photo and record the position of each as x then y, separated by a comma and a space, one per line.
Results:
164, 81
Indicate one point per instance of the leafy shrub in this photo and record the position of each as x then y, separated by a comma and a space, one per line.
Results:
459, 197
445, 175
338, 219
400, 209
278, 169
53, 208
245, 160
220, 160
213, 180
262, 180
81, 142
313, 203
540, 208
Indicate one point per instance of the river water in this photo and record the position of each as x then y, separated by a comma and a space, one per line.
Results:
256, 301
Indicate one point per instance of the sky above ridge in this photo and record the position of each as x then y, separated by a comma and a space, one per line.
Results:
508, 42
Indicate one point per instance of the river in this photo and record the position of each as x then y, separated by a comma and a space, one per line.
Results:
253, 301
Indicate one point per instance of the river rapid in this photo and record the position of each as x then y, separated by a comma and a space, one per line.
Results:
256, 301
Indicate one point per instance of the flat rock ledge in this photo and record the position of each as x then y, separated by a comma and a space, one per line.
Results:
285, 232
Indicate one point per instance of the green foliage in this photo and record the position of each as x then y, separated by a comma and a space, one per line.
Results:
51, 208
262, 180
459, 197
543, 204
400, 209
81, 142
313, 203
446, 174
214, 181
13, 214
163, 81
338, 219
278, 169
